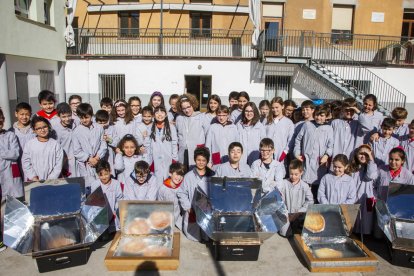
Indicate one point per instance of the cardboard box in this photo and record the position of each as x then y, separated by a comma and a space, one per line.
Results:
120, 257
326, 244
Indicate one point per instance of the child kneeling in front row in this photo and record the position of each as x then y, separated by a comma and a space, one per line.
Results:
168, 191
297, 196
141, 184
112, 190
337, 187
234, 168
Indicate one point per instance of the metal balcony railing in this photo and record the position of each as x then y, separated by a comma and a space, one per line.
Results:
366, 49
168, 43
334, 62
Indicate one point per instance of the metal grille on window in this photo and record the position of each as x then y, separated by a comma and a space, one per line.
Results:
112, 86
277, 86
47, 81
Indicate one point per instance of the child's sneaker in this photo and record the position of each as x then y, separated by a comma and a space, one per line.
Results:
2, 247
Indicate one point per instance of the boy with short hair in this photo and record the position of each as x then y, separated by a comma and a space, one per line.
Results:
270, 171
110, 136
21, 128
111, 189
74, 101
233, 100
296, 194
408, 145
234, 168
307, 109
141, 184
106, 104
88, 144
219, 136
47, 103
63, 126
195, 178
168, 191
386, 142
314, 146
400, 114
173, 112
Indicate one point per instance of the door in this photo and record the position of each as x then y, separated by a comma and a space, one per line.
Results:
273, 31
199, 86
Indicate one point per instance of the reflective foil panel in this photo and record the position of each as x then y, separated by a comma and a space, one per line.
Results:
400, 201
18, 226
52, 200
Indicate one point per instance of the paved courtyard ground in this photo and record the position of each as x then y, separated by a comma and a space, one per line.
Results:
277, 257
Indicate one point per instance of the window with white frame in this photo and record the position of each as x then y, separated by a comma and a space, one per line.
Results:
342, 24
112, 86
47, 80
21, 7
47, 4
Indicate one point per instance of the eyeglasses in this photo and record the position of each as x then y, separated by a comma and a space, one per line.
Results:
41, 128
142, 176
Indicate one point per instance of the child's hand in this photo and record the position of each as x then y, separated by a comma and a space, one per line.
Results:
357, 111
374, 137
145, 134
92, 161
142, 150
324, 159
118, 151
210, 165
299, 157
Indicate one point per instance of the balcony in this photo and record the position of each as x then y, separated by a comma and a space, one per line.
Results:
183, 43
369, 50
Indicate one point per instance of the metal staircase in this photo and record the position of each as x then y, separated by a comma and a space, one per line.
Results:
337, 70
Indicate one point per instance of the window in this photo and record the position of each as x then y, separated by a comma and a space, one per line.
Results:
129, 24
47, 81
277, 86
22, 87
342, 23
47, 4
112, 86
21, 7
200, 24
407, 31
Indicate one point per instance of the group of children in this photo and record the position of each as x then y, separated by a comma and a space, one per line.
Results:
333, 153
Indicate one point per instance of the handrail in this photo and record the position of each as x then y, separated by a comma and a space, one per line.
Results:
350, 73
223, 43
360, 80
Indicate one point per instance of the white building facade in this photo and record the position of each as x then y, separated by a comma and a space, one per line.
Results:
32, 52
